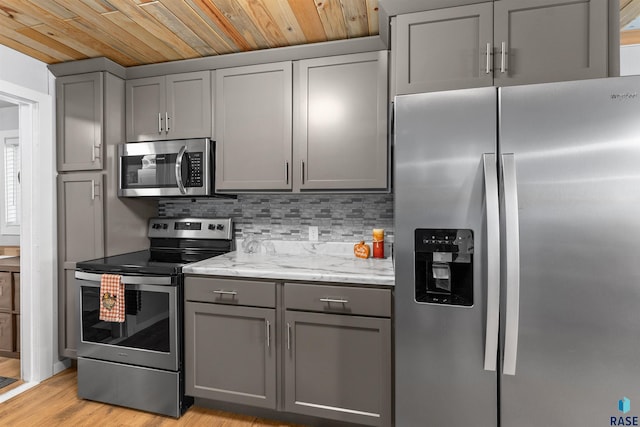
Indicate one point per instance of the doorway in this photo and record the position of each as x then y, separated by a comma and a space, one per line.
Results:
37, 240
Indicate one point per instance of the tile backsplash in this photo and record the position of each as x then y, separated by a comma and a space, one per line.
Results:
339, 218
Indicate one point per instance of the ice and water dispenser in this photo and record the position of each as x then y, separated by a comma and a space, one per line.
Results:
444, 266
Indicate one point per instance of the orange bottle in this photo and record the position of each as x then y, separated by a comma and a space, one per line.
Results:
378, 243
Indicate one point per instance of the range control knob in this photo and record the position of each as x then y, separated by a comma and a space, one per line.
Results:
165, 226
220, 227
212, 227
156, 226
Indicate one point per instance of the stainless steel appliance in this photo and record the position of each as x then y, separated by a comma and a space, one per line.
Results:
544, 179
166, 168
139, 363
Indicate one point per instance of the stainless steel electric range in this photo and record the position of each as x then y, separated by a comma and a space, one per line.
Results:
139, 363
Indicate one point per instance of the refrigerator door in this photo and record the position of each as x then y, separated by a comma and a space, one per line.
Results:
440, 142
575, 147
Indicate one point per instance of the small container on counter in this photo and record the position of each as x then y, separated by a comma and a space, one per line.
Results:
378, 243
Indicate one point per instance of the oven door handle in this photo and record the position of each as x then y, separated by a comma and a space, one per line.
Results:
129, 280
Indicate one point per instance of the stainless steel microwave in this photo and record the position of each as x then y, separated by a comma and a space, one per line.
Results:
166, 168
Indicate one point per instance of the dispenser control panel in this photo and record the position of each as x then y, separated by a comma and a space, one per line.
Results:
444, 266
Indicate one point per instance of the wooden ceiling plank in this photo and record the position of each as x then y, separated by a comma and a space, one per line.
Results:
27, 50
355, 17
14, 10
189, 17
373, 17
78, 43
286, 20
34, 44
629, 12
53, 15
160, 31
629, 37
264, 22
307, 16
218, 20
51, 43
145, 41
176, 26
100, 6
242, 22
332, 19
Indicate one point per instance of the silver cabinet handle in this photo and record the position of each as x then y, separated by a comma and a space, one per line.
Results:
222, 292
488, 63
493, 260
288, 336
93, 190
302, 171
335, 300
159, 123
503, 57
179, 169
512, 260
286, 172
268, 326
166, 120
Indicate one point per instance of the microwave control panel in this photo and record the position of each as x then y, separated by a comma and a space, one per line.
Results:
195, 170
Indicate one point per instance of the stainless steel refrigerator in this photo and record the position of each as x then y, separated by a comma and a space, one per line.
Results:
517, 223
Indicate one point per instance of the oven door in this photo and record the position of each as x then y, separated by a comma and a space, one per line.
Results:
165, 168
148, 337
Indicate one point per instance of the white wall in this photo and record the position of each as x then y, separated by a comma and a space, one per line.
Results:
630, 59
23, 70
9, 118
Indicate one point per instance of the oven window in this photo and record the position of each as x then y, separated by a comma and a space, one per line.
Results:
146, 325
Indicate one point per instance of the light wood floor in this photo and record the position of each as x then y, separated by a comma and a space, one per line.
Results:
10, 368
55, 402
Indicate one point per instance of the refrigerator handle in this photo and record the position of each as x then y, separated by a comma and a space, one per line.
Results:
493, 260
512, 260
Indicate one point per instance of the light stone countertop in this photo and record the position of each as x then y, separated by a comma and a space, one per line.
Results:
304, 261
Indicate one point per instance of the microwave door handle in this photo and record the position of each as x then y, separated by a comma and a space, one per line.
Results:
179, 169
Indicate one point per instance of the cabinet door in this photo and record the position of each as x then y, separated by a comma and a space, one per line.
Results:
230, 353
338, 367
253, 127
146, 112
79, 103
550, 40
68, 316
444, 49
188, 109
340, 126
80, 217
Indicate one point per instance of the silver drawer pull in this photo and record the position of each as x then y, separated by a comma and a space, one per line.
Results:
335, 300
221, 292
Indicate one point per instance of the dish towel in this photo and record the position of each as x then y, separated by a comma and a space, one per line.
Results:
111, 298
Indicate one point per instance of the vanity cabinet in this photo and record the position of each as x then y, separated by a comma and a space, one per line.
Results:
230, 340
501, 43
79, 122
322, 126
253, 127
176, 106
337, 362
10, 308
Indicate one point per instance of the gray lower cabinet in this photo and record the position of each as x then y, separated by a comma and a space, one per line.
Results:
253, 127
176, 106
230, 348
501, 43
340, 123
337, 361
79, 105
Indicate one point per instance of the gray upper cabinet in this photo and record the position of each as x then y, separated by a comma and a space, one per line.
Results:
79, 122
444, 49
502, 43
340, 123
253, 109
175, 106
549, 40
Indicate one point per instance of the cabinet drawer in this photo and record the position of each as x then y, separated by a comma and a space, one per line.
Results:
17, 322
6, 332
338, 299
6, 284
230, 291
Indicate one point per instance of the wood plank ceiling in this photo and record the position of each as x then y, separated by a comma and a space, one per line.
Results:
137, 32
